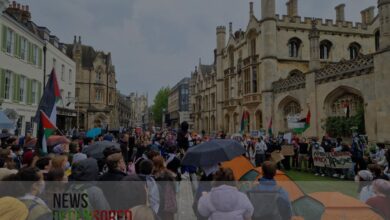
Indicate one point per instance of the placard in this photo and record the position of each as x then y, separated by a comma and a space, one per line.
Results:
336, 160
276, 156
287, 150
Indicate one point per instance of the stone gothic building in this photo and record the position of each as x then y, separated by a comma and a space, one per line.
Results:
95, 87
279, 67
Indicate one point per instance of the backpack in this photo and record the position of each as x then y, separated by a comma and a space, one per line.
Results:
36, 210
170, 203
265, 203
76, 189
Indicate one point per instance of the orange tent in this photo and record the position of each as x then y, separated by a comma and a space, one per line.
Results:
340, 206
241, 166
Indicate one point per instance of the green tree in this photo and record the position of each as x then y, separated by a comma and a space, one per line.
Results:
160, 102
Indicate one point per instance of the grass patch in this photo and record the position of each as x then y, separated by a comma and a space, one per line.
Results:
310, 183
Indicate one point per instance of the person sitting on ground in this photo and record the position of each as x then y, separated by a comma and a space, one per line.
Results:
225, 201
270, 200
377, 171
381, 201
364, 178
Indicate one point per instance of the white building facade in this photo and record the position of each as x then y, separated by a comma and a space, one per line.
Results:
21, 73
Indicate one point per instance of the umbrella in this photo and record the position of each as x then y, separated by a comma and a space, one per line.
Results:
94, 132
57, 139
5, 122
213, 152
96, 149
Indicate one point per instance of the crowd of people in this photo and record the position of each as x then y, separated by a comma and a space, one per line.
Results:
143, 174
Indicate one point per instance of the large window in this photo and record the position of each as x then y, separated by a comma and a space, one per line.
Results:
98, 75
10, 41
7, 85
22, 85
354, 50
231, 56
33, 92
35, 55
23, 48
62, 72
293, 47
247, 81
325, 47
254, 80
226, 88
253, 47
377, 39
70, 76
213, 100
99, 95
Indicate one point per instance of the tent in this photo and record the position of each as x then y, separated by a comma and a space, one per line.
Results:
340, 206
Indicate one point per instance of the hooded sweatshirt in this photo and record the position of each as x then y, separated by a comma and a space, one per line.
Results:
225, 202
87, 170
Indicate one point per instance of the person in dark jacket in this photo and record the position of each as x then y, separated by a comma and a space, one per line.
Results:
116, 168
124, 143
182, 136
85, 172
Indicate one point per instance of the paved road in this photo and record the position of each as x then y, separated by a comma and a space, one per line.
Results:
184, 202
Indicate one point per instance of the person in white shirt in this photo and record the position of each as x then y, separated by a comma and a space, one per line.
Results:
261, 148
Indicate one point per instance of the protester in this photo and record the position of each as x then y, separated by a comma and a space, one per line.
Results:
261, 148
44, 164
145, 174
386, 171
12, 209
303, 157
381, 201
277, 204
124, 143
364, 178
85, 172
165, 179
116, 168
316, 147
224, 201
34, 186
4, 171
376, 170
143, 212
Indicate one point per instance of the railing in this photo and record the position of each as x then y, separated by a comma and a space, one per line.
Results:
230, 103
251, 99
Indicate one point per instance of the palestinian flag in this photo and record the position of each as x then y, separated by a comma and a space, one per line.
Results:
303, 124
244, 121
47, 105
48, 129
270, 127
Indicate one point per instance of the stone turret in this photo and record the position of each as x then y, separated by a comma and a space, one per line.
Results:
340, 15
3, 5
367, 15
251, 9
268, 68
221, 43
77, 54
292, 8
384, 14
221, 38
314, 37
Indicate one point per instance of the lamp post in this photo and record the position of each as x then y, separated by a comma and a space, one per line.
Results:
44, 64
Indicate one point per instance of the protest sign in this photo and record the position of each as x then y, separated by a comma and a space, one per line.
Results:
336, 160
287, 150
276, 156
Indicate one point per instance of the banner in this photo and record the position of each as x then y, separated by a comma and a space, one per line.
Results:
336, 160
287, 150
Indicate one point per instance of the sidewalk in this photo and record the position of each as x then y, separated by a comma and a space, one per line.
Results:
184, 202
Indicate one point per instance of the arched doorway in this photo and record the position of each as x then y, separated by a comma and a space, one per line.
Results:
345, 112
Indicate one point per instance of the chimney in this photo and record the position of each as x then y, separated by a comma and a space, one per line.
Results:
340, 16
250, 9
74, 39
292, 8
230, 28
367, 15
14, 4
80, 40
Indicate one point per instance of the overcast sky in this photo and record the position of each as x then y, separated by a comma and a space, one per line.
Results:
155, 43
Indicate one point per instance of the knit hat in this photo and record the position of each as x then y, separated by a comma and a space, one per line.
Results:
11, 209
366, 175
28, 157
78, 157
382, 186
